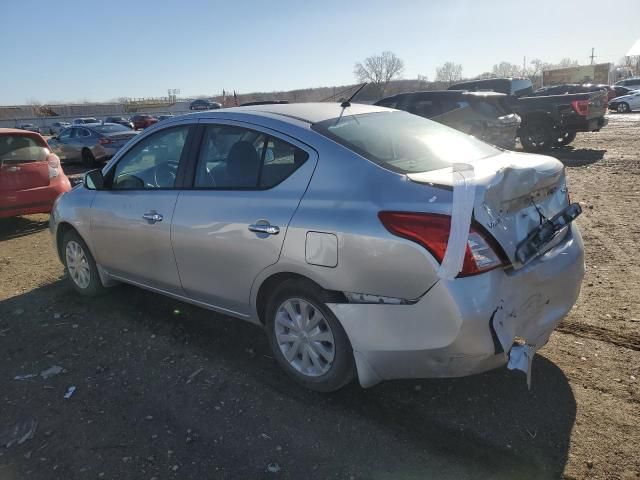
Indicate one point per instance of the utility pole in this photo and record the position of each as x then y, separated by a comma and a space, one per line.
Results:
524, 66
592, 56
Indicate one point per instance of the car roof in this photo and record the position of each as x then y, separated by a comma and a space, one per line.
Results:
305, 112
7, 131
18, 131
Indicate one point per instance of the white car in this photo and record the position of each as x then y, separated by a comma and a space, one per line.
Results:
633, 82
626, 103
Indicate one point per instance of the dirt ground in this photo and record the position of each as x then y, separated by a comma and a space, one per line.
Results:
167, 390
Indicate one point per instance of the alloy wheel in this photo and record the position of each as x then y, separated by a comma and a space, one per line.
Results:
304, 337
77, 264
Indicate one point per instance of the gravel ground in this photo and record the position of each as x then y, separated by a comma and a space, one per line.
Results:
167, 390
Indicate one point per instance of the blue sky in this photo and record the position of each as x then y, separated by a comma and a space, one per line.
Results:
100, 50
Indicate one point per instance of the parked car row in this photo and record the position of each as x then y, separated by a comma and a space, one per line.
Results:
136, 122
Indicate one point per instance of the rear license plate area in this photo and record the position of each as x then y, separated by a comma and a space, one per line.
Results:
543, 234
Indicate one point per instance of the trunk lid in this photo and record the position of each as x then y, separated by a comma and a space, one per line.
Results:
23, 163
120, 138
512, 193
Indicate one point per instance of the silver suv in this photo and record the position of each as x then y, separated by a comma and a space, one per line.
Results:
366, 241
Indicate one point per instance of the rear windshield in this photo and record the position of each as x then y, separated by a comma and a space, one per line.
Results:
21, 148
404, 143
111, 128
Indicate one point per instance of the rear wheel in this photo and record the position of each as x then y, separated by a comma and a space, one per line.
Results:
566, 138
88, 159
307, 340
623, 107
81, 266
536, 136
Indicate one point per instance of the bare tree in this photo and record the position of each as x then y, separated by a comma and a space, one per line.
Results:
506, 70
423, 81
568, 62
450, 72
486, 76
36, 106
534, 71
630, 61
379, 70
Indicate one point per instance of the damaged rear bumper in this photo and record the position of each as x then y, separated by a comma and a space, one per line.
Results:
467, 325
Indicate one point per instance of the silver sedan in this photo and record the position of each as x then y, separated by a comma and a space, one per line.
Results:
90, 143
367, 242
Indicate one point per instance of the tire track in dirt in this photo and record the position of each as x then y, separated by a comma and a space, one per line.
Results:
626, 340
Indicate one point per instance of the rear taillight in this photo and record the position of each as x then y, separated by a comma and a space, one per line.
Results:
581, 107
432, 232
105, 141
54, 166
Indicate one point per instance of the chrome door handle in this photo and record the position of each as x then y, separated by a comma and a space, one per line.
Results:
152, 217
266, 228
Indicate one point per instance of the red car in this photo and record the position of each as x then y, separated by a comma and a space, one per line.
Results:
140, 122
31, 177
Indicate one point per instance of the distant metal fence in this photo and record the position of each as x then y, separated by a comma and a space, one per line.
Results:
45, 123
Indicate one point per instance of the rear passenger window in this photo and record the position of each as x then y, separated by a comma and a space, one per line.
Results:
238, 158
281, 159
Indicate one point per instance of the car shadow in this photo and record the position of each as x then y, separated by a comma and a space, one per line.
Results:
577, 157
16, 227
484, 426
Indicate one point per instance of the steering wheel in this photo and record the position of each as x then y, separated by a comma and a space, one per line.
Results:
164, 174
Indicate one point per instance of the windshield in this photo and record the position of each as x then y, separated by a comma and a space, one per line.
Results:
111, 128
404, 143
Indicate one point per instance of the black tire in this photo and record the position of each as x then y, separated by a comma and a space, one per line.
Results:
88, 159
536, 136
566, 138
94, 285
623, 107
342, 368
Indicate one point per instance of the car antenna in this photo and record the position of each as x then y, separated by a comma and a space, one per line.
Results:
347, 103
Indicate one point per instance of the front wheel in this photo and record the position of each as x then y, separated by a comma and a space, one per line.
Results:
536, 136
81, 266
623, 108
307, 340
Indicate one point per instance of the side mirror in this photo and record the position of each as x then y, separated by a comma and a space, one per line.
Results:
93, 180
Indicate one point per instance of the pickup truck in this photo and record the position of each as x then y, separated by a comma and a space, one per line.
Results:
547, 121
